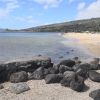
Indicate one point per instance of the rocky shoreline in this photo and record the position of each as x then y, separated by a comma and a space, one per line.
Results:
70, 73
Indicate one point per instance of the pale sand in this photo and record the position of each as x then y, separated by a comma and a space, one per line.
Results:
41, 91
88, 40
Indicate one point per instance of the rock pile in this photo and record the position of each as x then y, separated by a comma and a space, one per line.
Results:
70, 73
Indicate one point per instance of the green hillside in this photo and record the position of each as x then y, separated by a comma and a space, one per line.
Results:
91, 25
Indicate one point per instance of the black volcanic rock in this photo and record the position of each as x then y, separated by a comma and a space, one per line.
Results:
53, 78
69, 63
77, 84
95, 94
38, 74
18, 88
68, 77
21, 76
94, 76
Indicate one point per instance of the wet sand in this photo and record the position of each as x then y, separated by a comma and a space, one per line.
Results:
88, 40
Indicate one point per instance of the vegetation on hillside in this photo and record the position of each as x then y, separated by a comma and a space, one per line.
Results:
88, 25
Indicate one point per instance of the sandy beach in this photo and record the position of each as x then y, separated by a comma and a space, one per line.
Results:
41, 91
88, 40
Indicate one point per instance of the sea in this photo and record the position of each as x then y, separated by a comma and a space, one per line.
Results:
27, 45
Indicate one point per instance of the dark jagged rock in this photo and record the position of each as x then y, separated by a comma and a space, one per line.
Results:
53, 78
1, 86
46, 71
77, 84
66, 81
84, 66
82, 70
95, 94
69, 63
3, 73
94, 64
64, 68
19, 77
94, 76
61, 57
18, 88
38, 74
53, 70
68, 77
69, 73
29, 65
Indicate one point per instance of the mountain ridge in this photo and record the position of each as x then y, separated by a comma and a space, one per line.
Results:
91, 25
85, 25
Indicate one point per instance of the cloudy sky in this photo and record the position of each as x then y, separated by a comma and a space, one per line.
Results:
29, 13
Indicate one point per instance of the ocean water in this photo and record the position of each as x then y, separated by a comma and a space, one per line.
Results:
26, 45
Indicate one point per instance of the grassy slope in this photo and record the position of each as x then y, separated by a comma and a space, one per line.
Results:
72, 26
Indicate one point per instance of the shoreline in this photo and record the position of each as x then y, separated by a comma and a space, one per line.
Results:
89, 41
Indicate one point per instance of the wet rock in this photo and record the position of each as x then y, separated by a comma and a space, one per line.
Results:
27, 65
67, 52
77, 61
69, 63
21, 76
18, 88
94, 76
61, 57
39, 55
53, 78
72, 50
95, 94
31, 64
77, 84
1, 86
38, 74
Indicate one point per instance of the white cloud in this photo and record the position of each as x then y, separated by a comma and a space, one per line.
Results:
91, 11
9, 6
49, 3
27, 20
81, 5
70, 1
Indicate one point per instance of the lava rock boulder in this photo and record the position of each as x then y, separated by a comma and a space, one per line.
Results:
94, 76
77, 84
69, 63
18, 88
21, 76
38, 74
68, 77
53, 78
95, 94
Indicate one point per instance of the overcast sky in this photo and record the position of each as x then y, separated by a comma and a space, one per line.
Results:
29, 13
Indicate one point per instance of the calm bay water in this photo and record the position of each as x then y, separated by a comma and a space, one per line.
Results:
27, 45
